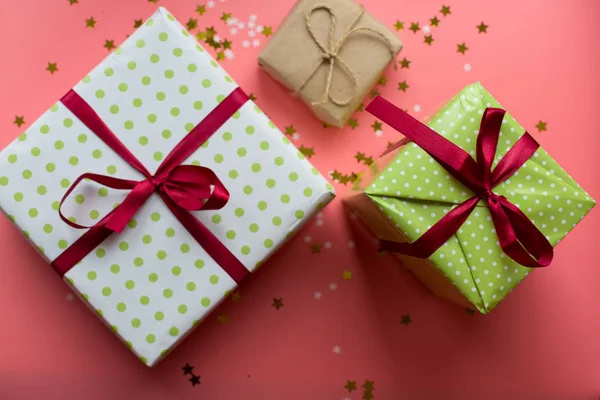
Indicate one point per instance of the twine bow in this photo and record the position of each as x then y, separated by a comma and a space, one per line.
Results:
330, 54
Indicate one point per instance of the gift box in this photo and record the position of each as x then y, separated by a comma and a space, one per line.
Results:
131, 150
331, 54
470, 230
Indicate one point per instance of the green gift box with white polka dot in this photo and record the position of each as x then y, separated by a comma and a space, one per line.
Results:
407, 192
153, 283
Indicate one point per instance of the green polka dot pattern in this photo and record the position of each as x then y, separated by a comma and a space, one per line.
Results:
472, 260
154, 280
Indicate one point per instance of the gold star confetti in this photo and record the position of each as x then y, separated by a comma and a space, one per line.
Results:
414, 26
351, 385
137, 23
428, 39
226, 44
191, 24
353, 123
52, 68
434, 21
374, 93
236, 296
201, 36
376, 126
152, 1
462, 48
406, 320
308, 152
19, 120
109, 44
210, 32
223, 318
71, 2
399, 25
367, 395
362, 158
290, 130
541, 126
404, 63
90, 22
382, 81
252, 97
469, 311
403, 86
201, 9
445, 10
315, 248
368, 385
277, 303
360, 107
225, 17
267, 31
220, 55
482, 28
347, 275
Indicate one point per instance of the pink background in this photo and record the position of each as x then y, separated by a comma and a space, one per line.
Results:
539, 58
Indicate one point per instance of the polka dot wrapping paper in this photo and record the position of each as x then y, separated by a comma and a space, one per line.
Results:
153, 283
407, 192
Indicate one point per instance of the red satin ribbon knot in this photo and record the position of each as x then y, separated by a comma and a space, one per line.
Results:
519, 238
183, 188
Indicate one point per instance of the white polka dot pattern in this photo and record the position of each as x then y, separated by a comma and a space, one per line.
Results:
415, 192
153, 282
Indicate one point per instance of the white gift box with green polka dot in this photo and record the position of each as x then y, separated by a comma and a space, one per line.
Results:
154, 282
409, 192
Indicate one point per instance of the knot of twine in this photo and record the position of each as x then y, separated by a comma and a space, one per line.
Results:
330, 54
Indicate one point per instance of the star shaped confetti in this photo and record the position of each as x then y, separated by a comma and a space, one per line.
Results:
337, 349
469, 311
368, 395
90, 22
210, 32
223, 318
445, 10
194, 379
404, 63
406, 320
347, 275
376, 125
351, 385
267, 31
403, 86
19, 120
482, 28
220, 55
137, 23
201, 9
434, 21
236, 296
252, 97
315, 248
152, 1
353, 123
462, 48
541, 126
414, 26
368, 385
225, 17
71, 2
374, 93
428, 39
109, 44
191, 24
290, 130
382, 81
187, 369
399, 25
277, 303
52, 68
308, 152
226, 44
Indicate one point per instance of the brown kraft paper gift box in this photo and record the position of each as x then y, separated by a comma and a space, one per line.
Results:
318, 33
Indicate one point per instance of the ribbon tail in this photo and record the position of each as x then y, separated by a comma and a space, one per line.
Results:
437, 235
208, 241
519, 238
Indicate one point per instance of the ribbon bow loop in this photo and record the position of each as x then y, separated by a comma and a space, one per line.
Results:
519, 238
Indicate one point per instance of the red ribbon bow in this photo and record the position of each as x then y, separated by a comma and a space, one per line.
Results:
519, 238
183, 188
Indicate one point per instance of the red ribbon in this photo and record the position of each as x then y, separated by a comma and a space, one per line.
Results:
183, 188
519, 238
